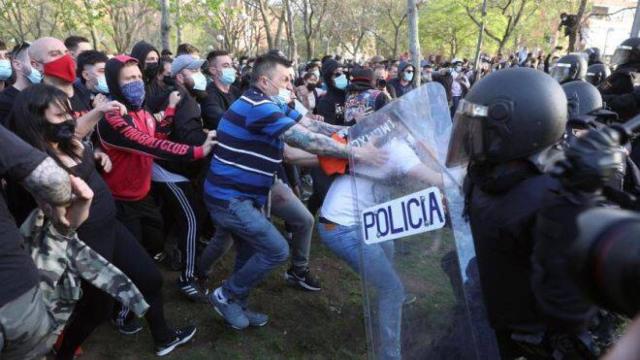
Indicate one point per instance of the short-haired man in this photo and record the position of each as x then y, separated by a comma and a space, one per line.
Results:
220, 92
24, 76
188, 49
77, 45
251, 138
5, 65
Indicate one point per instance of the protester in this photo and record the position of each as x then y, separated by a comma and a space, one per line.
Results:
24, 75
251, 135
188, 49
362, 97
221, 92
132, 141
5, 66
459, 86
46, 122
77, 45
404, 82
308, 93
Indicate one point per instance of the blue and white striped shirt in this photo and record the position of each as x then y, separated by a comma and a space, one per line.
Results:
249, 150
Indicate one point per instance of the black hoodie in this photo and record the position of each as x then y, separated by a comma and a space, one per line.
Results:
331, 105
140, 51
154, 100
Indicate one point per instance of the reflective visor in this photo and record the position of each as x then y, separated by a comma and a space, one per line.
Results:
622, 55
466, 139
561, 72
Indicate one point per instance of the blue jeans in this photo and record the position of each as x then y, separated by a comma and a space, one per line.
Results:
260, 249
345, 242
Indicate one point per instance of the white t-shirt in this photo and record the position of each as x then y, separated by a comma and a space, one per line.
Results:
339, 204
456, 87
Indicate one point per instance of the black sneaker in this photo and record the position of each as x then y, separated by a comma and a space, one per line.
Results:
128, 326
159, 257
193, 291
182, 337
303, 279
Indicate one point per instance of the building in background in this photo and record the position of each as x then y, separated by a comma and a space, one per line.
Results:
608, 24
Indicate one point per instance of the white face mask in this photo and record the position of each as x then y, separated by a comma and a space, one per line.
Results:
283, 97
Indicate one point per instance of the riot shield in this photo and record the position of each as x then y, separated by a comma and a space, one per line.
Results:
422, 297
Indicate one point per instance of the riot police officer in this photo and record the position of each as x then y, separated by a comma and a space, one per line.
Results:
505, 128
569, 68
596, 74
619, 90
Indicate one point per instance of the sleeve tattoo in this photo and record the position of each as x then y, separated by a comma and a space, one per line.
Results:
49, 183
320, 127
302, 137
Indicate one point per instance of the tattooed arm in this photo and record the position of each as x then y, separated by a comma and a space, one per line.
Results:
306, 139
320, 127
49, 183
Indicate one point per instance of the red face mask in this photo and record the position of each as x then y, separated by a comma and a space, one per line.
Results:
63, 68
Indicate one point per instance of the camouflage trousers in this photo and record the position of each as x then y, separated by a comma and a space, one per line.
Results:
26, 327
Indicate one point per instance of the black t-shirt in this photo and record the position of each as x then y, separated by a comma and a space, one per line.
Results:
80, 101
7, 97
18, 273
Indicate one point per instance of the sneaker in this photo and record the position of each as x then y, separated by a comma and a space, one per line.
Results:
256, 319
128, 326
230, 310
182, 337
193, 291
304, 279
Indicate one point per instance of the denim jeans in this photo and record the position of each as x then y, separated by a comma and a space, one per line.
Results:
260, 249
345, 242
286, 206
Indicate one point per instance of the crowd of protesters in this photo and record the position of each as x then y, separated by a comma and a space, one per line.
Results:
152, 157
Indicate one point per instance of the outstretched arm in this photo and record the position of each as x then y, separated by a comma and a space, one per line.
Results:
320, 127
306, 139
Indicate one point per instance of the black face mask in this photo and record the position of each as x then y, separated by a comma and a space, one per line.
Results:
311, 87
169, 81
61, 132
150, 70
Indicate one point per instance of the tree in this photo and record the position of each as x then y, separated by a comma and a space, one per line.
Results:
395, 14
165, 26
446, 29
504, 17
126, 18
313, 13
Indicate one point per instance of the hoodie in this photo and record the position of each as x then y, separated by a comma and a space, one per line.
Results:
331, 105
140, 51
395, 84
133, 140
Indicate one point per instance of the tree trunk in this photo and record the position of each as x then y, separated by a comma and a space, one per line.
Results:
414, 40
291, 37
178, 24
165, 26
574, 31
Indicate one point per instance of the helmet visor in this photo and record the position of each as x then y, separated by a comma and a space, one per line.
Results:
466, 140
622, 55
595, 78
561, 72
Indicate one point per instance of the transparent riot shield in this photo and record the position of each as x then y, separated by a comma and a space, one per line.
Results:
422, 297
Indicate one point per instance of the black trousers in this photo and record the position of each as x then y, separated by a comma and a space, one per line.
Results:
179, 204
144, 221
114, 242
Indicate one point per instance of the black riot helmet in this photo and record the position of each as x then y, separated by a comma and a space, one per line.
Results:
510, 114
596, 73
570, 67
582, 98
627, 53
593, 56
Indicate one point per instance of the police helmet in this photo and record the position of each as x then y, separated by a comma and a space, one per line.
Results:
510, 114
582, 98
628, 52
596, 73
593, 56
570, 67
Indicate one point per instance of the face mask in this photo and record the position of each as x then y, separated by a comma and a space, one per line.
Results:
169, 81
150, 69
407, 76
311, 87
5, 70
133, 92
34, 76
199, 81
61, 132
458, 68
283, 97
341, 82
102, 87
228, 76
63, 68
316, 73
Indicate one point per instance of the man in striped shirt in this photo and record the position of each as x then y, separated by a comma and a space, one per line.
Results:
251, 136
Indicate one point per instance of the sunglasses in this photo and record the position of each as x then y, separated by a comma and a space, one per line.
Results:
338, 74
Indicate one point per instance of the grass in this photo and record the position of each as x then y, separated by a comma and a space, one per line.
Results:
325, 325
